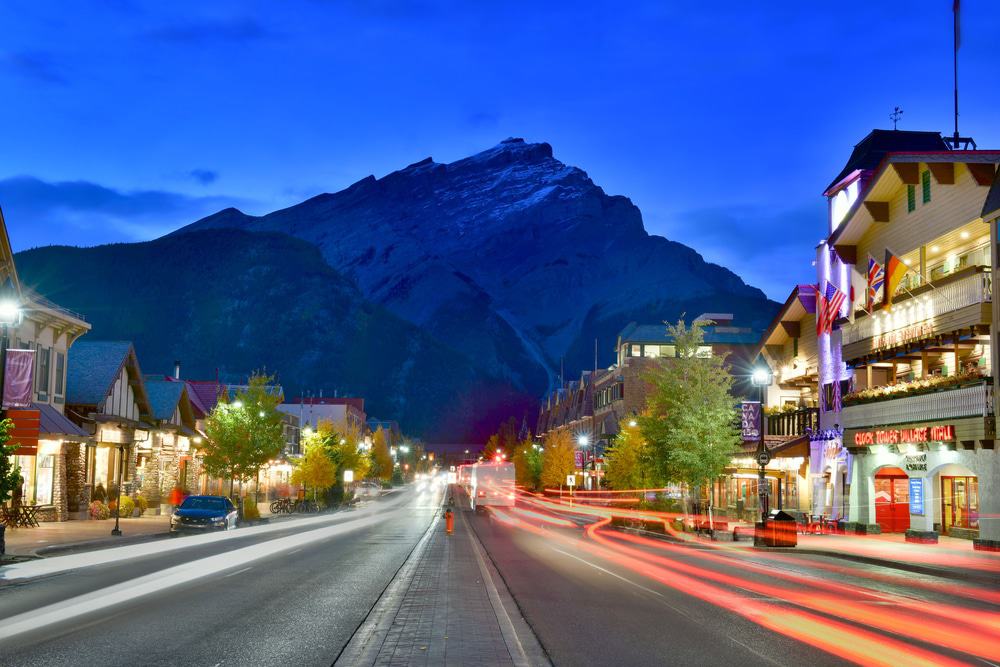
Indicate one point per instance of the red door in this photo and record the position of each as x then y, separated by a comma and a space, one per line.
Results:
892, 501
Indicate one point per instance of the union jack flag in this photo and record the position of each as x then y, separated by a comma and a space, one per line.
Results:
876, 278
828, 305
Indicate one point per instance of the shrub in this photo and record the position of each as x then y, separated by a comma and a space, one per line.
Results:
126, 508
99, 495
99, 510
250, 511
141, 503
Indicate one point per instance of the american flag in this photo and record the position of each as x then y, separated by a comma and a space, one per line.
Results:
876, 277
828, 305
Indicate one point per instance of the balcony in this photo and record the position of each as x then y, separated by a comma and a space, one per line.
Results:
958, 302
974, 400
793, 423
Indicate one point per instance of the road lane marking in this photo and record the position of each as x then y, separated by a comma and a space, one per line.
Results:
615, 575
56, 564
155, 582
233, 574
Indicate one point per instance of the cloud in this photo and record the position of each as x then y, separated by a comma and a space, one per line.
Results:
204, 176
35, 65
239, 30
38, 212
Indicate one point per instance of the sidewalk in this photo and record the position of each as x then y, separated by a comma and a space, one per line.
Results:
56, 536
446, 606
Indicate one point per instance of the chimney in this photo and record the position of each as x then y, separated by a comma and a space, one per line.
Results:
177, 370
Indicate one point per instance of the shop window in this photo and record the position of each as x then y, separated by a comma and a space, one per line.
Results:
911, 198
925, 186
43, 480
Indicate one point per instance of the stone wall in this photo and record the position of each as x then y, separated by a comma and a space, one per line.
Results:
77, 492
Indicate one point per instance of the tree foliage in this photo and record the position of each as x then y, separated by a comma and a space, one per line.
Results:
245, 432
492, 447
528, 459
342, 444
315, 470
381, 466
690, 426
10, 472
558, 459
628, 461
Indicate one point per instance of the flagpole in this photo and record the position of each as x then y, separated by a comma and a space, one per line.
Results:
956, 8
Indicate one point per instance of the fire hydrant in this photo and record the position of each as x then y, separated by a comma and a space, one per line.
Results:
449, 521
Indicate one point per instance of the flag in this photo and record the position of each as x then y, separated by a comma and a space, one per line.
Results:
894, 272
828, 305
876, 276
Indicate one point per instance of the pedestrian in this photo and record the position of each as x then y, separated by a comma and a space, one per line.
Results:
176, 497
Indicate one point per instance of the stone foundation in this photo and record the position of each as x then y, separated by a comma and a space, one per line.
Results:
921, 536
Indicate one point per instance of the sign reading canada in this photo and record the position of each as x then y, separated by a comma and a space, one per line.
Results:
898, 436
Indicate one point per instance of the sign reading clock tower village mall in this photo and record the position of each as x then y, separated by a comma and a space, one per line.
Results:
911, 435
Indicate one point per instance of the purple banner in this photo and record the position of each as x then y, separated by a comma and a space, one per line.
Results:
17, 378
750, 418
578, 458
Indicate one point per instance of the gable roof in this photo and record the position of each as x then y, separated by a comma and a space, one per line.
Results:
870, 151
991, 207
164, 397
92, 369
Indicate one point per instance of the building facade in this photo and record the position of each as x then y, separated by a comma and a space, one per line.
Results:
907, 383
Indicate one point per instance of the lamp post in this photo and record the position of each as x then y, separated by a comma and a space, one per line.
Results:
118, 503
762, 378
584, 441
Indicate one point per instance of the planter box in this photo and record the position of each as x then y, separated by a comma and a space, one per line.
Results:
921, 536
868, 529
986, 545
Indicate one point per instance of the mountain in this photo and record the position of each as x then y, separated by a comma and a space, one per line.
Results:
236, 301
511, 256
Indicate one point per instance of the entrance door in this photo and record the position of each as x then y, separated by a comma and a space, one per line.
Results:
892, 500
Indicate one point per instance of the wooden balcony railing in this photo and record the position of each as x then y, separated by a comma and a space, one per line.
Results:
793, 423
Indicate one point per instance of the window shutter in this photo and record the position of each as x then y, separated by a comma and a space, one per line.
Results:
911, 198
925, 184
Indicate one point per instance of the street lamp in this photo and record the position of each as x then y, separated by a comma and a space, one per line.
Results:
632, 423
762, 378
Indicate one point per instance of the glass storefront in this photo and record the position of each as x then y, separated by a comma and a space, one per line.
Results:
959, 503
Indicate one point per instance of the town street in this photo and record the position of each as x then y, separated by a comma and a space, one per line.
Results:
297, 591
299, 597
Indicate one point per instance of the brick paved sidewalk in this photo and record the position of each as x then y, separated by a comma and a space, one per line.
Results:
445, 607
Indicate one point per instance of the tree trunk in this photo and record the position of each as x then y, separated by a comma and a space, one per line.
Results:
711, 520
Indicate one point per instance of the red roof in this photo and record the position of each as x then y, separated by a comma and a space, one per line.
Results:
358, 403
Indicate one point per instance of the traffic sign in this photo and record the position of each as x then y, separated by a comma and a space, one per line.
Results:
570, 480
764, 457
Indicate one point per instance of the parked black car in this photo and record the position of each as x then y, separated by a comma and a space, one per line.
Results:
199, 514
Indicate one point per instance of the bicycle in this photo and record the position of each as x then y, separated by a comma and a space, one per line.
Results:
282, 506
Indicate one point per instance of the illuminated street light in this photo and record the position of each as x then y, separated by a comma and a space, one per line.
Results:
237, 404
10, 313
583, 441
761, 377
633, 423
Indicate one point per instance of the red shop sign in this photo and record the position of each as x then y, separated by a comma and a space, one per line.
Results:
913, 435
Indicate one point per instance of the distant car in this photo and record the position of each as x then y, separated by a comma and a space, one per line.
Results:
199, 514
368, 490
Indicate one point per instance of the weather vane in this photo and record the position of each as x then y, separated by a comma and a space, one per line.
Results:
896, 114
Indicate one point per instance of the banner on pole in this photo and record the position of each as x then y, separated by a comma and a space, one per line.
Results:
751, 420
17, 378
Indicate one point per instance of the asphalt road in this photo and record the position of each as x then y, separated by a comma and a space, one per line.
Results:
292, 595
603, 600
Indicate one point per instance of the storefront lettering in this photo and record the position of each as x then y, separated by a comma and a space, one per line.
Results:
903, 336
896, 436
915, 462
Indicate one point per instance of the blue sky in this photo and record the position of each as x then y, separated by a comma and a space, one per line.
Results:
723, 122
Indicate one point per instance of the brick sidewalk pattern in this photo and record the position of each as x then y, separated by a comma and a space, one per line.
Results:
446, 617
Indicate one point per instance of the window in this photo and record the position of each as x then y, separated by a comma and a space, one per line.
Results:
60, 373
703, 352
43, 493
925, 185
960, 503
668, 351
911, 198
42, 380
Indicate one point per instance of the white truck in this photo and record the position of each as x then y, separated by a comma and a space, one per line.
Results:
492, 484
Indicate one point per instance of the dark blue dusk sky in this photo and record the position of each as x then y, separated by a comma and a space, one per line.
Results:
722, 121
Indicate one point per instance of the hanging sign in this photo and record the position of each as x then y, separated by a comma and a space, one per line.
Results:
17, 378
750, 417
916, 495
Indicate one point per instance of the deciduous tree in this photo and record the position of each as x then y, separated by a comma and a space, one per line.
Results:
691, 427
628, 461
558, 459
381, 457
528, 464
315, 470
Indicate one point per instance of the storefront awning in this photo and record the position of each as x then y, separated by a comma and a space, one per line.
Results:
55, 425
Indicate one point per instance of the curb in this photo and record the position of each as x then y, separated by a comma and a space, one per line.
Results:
974, 577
